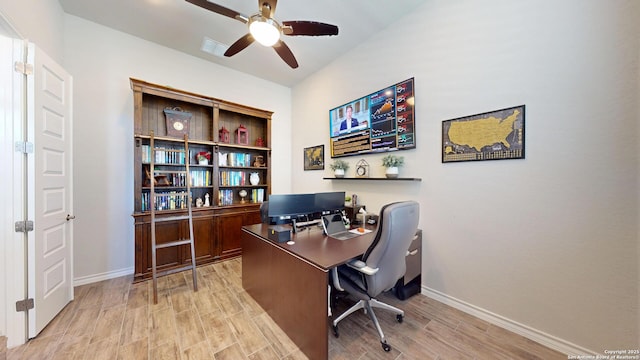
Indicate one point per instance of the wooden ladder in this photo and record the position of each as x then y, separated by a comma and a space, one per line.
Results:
186, 198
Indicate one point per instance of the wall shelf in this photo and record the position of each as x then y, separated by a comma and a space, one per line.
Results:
374, 179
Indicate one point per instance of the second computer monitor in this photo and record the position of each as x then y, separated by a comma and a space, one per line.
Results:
294, 205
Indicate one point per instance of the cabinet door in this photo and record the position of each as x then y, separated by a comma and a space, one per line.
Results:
230, 231
165, 232
204, 240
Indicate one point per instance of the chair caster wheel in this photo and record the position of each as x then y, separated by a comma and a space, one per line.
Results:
385, 346
400, 318
335, 330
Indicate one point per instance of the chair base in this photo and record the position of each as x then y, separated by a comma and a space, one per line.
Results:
367, 306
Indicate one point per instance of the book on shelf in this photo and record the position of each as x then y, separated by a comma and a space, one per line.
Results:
225, 196
234, 159
163, 155
198, 178
233, 178
257, 195
165, 200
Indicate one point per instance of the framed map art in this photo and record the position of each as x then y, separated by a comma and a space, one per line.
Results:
495, 135
314, 158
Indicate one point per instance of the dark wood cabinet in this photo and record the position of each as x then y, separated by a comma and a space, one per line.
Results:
236, 179
230, 225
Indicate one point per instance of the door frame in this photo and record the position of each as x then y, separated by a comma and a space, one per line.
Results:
13, 251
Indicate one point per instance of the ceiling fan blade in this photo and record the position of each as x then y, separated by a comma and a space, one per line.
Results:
239, 45
220, 10
271, 6
285, 53
308, 28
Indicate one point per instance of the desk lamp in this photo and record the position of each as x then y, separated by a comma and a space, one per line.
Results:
364, 216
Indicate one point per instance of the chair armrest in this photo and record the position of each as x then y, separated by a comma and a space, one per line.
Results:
336, 279
362, 267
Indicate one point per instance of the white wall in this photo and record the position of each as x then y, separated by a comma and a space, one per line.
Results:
101, 62
38, 21
548, 243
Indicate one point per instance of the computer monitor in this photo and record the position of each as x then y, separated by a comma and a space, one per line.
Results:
329, 201
292, 206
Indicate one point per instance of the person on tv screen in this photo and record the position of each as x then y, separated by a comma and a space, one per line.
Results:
348, 123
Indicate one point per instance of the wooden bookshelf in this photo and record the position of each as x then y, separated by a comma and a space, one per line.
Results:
217, 227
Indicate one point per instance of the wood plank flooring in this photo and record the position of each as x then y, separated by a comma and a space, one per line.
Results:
115, 319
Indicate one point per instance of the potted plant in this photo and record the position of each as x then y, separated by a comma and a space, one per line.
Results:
203, 157
339, 167
392, 163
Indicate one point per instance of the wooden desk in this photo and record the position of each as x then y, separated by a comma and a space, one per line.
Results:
290, 281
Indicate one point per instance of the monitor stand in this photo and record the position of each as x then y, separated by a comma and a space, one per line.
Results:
297, 225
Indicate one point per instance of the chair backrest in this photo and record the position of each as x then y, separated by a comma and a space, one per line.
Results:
397, 226
264, 212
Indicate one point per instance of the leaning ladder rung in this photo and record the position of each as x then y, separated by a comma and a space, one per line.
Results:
171, 218
173, 271
169, 172
173, 243
178, 193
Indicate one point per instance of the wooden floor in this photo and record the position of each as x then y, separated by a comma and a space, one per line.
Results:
115, 319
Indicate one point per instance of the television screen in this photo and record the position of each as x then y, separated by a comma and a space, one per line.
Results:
381, 121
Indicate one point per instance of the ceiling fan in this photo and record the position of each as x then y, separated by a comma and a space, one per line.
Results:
264, 29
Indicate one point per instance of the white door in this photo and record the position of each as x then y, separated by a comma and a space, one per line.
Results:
12, 244
50, 245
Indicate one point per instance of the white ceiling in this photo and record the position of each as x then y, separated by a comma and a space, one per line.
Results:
182, 26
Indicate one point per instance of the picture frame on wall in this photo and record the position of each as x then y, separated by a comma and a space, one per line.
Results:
494, 135
314, 158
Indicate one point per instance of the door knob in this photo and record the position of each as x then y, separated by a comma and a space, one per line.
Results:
69, 217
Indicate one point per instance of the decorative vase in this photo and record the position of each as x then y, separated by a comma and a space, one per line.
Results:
203, 162
254, 178
339, 173
392, 172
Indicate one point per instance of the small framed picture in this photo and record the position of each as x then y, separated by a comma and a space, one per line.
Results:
314, 158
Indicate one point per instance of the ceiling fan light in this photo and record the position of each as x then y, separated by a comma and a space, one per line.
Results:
264, 31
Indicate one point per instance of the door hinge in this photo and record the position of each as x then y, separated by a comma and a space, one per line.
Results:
24, 305
24, 226
24, 147
23, 68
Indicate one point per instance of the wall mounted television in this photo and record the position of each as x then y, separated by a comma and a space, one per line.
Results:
379, 122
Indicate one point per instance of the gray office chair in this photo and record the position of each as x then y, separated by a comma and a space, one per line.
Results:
382, 264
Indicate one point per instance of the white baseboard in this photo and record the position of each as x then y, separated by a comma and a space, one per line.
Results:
100, 277
538, 336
